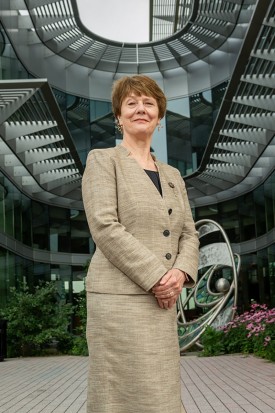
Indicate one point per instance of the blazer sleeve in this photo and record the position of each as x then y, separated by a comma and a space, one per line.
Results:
188, 253
120, 247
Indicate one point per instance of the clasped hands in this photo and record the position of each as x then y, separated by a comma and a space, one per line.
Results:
169, 287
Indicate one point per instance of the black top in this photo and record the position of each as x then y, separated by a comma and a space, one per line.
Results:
154, 176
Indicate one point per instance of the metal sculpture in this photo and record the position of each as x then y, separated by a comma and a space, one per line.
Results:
213, 300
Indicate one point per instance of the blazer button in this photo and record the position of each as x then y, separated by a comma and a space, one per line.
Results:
168, 256
170, 210
166, 233
171, 184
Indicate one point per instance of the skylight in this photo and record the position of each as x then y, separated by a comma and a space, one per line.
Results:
125, 21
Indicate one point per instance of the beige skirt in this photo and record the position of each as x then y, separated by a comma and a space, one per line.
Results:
133, 355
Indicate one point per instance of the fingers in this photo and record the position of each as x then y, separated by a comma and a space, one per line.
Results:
168, 294
172, 280
165, 283
160, 303
173, 286
166, 278
166, 304
168, 289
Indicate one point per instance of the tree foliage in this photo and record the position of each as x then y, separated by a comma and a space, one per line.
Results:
36, 319
79, 344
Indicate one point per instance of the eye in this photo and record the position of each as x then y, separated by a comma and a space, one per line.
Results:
149, 103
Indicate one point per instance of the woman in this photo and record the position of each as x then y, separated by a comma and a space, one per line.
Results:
146, 251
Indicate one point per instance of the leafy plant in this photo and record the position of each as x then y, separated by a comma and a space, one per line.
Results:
250, 332
212, 342
79, 344
36, 320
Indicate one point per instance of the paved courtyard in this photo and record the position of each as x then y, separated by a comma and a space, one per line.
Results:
209, 385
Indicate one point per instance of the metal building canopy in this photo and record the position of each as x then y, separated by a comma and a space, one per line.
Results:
241, 150
37, 152
204, 26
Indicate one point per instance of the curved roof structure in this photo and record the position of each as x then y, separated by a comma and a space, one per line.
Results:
240, 152
206, 28
37, 151
208, 37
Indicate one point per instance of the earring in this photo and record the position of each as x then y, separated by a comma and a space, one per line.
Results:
159, 127
119, 127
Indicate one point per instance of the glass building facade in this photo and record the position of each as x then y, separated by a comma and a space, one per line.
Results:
44, 242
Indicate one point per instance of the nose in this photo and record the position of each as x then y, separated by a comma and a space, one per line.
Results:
140, 107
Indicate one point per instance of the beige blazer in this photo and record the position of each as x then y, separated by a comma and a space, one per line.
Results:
139, 234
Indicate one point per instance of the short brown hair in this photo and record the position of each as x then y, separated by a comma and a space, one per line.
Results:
139, 85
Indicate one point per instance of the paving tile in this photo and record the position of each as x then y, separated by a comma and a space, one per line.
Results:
225, 384
234, 380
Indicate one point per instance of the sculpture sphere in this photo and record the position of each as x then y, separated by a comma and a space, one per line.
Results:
222, 285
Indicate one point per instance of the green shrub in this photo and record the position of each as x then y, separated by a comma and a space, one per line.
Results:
36, 320
212, 341
79, 346
250, 332
79, 342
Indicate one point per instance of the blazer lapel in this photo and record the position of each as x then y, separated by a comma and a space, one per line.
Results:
143, 179
131, 167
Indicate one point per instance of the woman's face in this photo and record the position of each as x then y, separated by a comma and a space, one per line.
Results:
139, 115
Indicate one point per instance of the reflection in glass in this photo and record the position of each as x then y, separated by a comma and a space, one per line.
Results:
59, 229
189, 122
269, 197
80, 234
78, 122
40, 226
